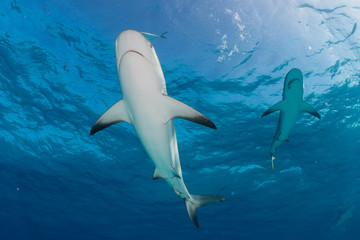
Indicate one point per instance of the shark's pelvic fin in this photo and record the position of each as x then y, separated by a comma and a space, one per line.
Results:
305, 107
197, 201
177, 193
117, 113
277, 107
272, 161
177, 109
157, 175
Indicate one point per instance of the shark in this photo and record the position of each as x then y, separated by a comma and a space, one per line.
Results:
146, 105
343, 216
290, 107
150, 36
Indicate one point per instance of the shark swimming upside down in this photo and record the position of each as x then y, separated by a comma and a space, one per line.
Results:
290, 108
148, 108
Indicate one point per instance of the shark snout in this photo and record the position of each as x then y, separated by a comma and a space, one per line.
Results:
131, 41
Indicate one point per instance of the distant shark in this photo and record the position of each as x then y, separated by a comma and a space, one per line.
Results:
147, 107
290, 108
150, 36
342, 216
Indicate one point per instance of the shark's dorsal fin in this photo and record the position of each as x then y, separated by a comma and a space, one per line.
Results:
305, 107
117, 113
277, 107
177, 109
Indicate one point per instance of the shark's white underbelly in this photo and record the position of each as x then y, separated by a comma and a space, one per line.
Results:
156, 134
159, 141
147, 107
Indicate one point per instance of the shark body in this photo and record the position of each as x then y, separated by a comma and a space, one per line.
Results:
146, 106
343, 216
290, 108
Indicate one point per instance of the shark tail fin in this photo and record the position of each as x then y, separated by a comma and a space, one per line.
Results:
197, 201
272, 162
163, 35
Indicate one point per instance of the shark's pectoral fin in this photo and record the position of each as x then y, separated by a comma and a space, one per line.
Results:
305, 107
177, 109
171, 174
277, 107
117, 113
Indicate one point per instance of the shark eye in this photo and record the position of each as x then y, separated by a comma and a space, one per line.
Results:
150, 45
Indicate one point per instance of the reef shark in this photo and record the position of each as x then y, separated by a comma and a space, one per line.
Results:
148, 108
343, 215
150, 36
290, 108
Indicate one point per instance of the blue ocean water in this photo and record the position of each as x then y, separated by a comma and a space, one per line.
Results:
227, 59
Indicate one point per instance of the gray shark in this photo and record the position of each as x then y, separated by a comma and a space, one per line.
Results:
343, 215
148, 108
150, 36
290, 108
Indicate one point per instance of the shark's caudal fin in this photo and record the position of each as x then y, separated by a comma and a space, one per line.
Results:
272, 161
197, 201
117, 113
177, 109
305, 107
277, 107
163, 34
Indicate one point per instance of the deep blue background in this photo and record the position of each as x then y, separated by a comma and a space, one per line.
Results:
228, 59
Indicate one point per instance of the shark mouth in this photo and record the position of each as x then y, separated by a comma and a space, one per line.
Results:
292, 81
133, 51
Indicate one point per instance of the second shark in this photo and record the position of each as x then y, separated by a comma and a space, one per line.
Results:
290, 108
